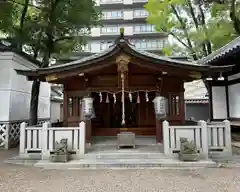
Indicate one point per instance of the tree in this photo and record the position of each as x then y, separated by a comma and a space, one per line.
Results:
197, 27
52, 27
232, 6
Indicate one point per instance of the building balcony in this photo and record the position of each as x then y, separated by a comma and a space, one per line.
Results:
121, 4
137, 16
102, 2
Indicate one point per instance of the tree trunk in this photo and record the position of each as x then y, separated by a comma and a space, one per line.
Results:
17, 41
234, 18
34, 103
45, 62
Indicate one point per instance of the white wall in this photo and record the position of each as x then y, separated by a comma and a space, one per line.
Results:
219, 102
234, 100
15, 90
5, 84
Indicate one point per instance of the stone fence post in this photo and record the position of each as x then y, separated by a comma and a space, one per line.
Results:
227, 136
166, 137
82, 138
22, 141
45, 152
204, 138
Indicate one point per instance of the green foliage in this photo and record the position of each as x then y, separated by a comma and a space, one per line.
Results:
196, 27
46, 29
53, 26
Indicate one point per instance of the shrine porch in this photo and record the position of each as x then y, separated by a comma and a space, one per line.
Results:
144, 144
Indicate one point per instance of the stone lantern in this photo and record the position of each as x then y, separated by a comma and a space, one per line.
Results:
160, 107
88, 107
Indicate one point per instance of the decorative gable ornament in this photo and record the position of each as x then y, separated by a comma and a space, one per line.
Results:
88, 111
122, 62
160, 107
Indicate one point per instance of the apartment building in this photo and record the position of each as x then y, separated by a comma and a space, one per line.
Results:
130, 15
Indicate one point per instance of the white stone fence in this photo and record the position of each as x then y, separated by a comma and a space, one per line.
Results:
42, 139
207, 138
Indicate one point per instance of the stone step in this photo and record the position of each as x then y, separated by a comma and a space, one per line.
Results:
125, 156
223, 157
125, 163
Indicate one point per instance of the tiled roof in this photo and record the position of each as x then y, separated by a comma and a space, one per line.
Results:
110, 49
230, 47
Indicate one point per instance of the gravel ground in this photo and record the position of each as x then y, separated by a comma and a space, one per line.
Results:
16, 178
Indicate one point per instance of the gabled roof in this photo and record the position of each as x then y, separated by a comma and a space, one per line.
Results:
121, 45
227, 50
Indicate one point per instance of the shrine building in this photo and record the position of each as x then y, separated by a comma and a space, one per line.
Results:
122, 82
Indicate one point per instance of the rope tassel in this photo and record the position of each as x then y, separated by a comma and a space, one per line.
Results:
138, 98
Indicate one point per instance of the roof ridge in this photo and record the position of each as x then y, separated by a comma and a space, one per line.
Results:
230, 45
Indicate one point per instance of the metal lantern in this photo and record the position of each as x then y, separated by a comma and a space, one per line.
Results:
160, 107
88, 107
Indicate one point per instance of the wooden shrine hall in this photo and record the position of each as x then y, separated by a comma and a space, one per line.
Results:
123, 82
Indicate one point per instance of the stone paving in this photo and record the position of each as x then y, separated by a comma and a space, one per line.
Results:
18, 178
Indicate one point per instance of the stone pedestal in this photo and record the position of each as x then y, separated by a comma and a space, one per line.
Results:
126, 139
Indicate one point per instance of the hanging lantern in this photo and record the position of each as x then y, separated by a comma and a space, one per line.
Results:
88, 107
160, 107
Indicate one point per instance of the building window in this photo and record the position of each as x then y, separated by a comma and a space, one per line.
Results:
149, 44
110, 1
112, 29
105, 45
144, 28
140, 13
112, 14
174, 105
86, 48
139, 1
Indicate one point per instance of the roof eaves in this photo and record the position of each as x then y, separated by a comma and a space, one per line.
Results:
167, 59
221, 51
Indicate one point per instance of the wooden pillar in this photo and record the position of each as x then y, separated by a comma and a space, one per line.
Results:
227, 98
210, 100
88, 131
182, 107
65, 107
159, 132
88, 123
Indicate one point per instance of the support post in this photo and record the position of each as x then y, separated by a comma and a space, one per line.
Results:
166, 138
7, 138
82, 138
227, 135
159, 132
88, 124
45, 152
22, 139
204, 138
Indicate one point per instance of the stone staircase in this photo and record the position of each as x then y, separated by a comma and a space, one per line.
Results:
125, 155
125, 159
